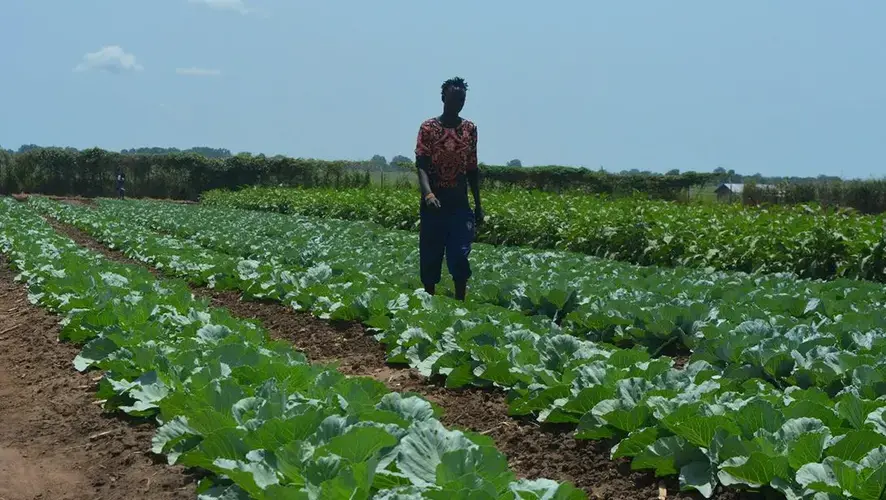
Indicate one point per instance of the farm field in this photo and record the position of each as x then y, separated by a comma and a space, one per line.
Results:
770, 382
230, 401
656, 306
803, 240
54, 441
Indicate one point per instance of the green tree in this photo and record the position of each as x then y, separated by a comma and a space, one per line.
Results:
210, 152
401, 162
6, 159
515, 163
378, 161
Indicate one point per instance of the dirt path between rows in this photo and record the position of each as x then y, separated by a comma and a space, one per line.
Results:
532, 450
55, 443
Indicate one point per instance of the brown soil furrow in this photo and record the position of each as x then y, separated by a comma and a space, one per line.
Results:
55, 443
533, 450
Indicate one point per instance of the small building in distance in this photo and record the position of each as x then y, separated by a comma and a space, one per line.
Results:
729, 192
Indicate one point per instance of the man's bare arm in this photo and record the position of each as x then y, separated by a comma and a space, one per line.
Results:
473, 176
423, 164
474, 183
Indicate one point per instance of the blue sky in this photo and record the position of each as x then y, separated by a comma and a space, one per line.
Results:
781, 87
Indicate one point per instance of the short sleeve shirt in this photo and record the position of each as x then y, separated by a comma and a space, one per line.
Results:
453, 153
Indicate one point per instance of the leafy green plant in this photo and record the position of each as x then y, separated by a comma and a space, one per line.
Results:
810, 243
268, 424
783, 370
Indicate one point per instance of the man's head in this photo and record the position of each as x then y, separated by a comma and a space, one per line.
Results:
453, 93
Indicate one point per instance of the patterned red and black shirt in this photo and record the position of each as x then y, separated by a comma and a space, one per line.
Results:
453, 153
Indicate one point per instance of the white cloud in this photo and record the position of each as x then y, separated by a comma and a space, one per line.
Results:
111, 58
235, 5
198, 71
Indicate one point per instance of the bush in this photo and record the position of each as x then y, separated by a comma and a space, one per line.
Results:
91, 172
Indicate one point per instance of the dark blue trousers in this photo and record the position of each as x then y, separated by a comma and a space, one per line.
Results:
445, 233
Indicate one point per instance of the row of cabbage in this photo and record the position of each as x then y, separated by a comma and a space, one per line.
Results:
228, 400
807, 241
786, 328
706, 423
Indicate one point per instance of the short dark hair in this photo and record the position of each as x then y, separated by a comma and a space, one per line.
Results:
457, 82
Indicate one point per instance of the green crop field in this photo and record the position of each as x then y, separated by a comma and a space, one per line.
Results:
805, 240
252, 412
770, 384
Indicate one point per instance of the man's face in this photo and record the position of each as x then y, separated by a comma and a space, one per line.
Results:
454, 99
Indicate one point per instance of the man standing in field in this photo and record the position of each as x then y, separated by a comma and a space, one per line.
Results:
446, 157
121, 180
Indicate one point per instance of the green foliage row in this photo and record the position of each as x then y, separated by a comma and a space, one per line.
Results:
791, 402
868, 197
91, 172
183, 176
805, 240
587, 297
169, 173
560, 179
231, 401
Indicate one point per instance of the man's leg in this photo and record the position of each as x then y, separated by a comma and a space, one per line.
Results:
459, 237
431, 245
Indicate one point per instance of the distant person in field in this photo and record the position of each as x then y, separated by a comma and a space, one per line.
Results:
446, 157
121, 181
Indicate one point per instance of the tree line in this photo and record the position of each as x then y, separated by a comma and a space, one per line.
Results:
184, 175
177, 175
865, 196
201, 150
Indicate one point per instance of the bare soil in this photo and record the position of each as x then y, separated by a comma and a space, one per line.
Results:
55, 443
533, 450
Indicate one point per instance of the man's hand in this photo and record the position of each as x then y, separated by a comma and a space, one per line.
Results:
432, 201
479, 215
